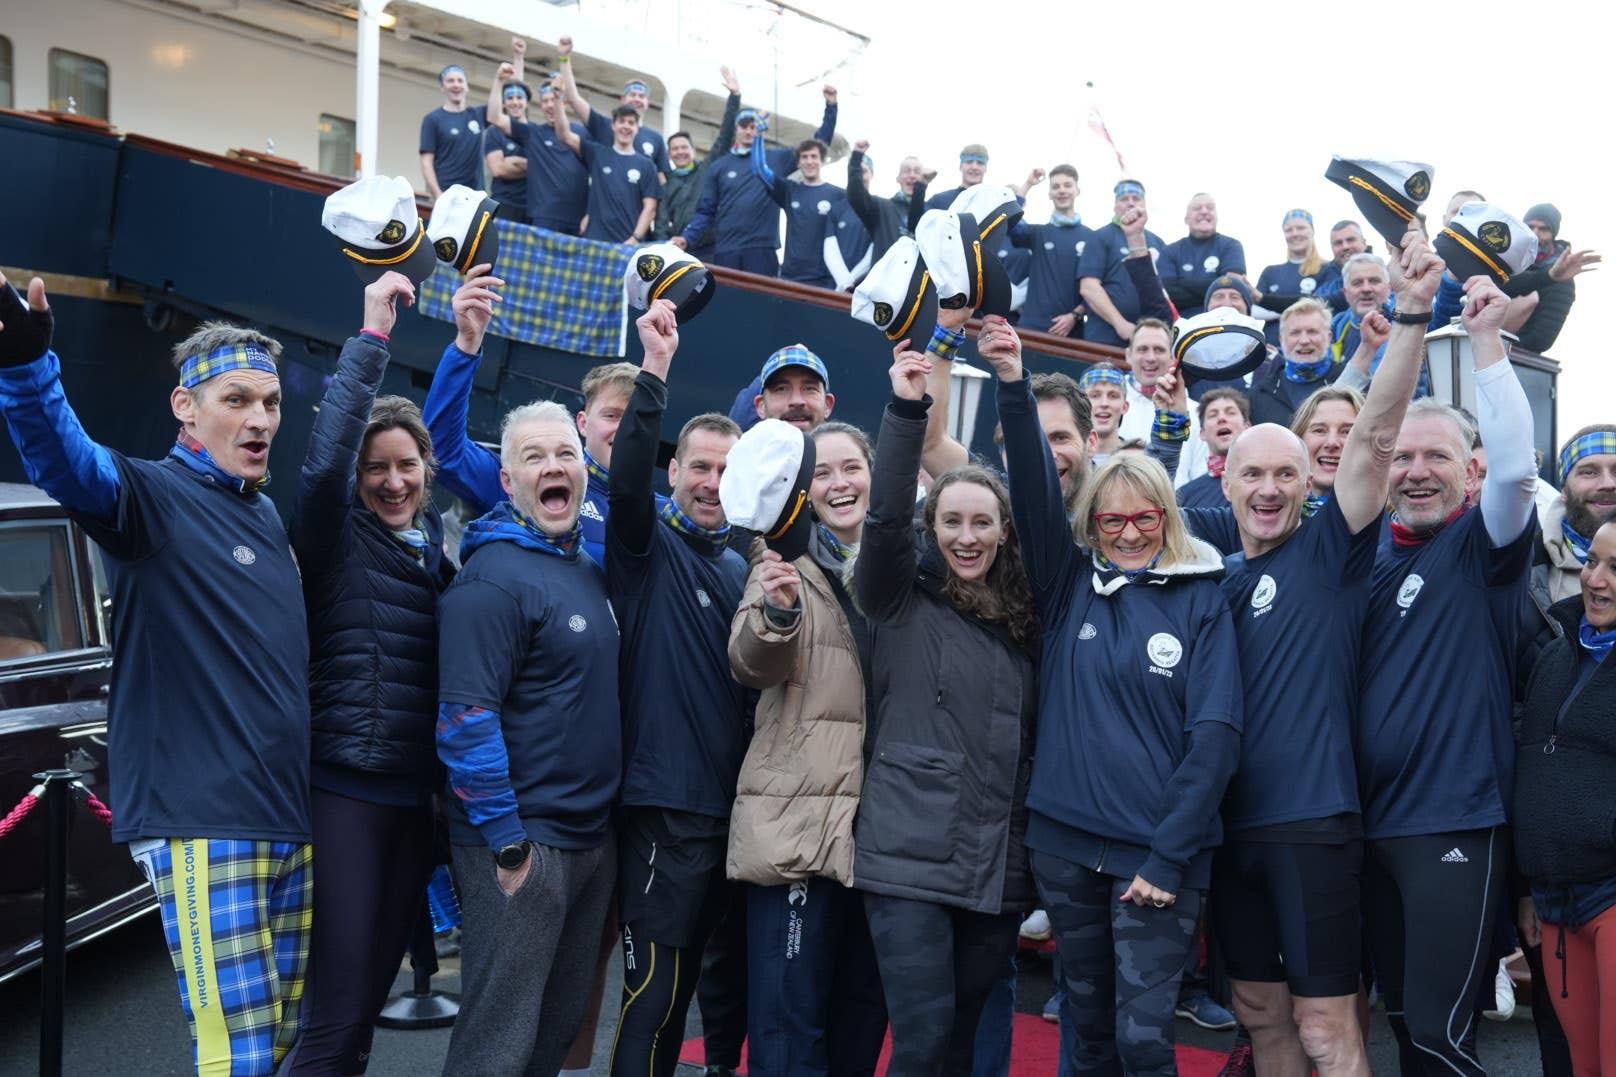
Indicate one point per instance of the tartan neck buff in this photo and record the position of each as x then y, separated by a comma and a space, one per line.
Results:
672, 515
838, 550
1578, 544
683, 170
597, 474
1306, 373
1598, 443
1597, 644
1312, 504
413, 539
190, 452
562, 546
199, 368
1110, 571
1062, 219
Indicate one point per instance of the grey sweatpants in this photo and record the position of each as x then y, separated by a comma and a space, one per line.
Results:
527, 961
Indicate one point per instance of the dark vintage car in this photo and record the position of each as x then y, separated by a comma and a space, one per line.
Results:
55, 665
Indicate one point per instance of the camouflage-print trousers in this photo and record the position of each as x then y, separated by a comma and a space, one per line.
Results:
938, 964
1120, 966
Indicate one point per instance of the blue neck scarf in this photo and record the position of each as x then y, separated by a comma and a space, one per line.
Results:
1062, 219
737, 151
1597, 644
672, 515
565, 546
683, 170
190, 452
597, 474
1306, 373
1578, 544
1131, 574
1313, 504
414, 540
838, 550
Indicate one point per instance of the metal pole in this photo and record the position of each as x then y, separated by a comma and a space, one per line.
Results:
53, 963
368, 54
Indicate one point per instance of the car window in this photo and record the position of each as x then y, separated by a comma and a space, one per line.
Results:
39, 612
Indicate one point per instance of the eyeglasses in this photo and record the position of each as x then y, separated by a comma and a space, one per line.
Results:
1115, 523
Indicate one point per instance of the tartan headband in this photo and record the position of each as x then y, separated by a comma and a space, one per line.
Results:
1598, 443
636, 85
1101, 376
979, 158
199, 368
1128, 187
1297, 215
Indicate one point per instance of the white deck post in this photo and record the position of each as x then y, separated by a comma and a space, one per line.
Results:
368, 90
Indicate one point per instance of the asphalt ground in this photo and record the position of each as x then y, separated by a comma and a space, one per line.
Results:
123, 1017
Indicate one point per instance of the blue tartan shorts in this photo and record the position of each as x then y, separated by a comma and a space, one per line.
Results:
237, 916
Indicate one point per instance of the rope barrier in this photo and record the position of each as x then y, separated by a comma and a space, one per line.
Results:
93, 802
20, 812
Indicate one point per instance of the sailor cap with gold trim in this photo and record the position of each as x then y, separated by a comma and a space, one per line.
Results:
1387, 192
1482, 238
765, 486
663, 271
996, 209
379, 229
462, 230
1220, 344
896, 296
963, 269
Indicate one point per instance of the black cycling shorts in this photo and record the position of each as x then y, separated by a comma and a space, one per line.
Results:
671, 886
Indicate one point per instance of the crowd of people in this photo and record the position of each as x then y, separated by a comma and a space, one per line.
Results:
1313, 665
609, 176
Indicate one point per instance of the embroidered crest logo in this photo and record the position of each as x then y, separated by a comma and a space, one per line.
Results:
883, 314
577, 623
392, 233
243, 555
1164, 650
648, 266
1308, 285
445, 249
1211, 263
1410, 590
1263, 596
1418, 186
701, 596
1087, 631
633, 175
1495, 234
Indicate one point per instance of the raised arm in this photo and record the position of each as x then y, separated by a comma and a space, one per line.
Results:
631, 518
1035, 493
772, 182
1361, 483
569, 85
325, 489
942, 452
827, 126
563, 129
465, 468
858, 195
1503, 414
884, 574
726, 126
765, 637
497, 116
1141, 270
57, 455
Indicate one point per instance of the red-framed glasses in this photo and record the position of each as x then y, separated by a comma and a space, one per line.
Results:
1115, 523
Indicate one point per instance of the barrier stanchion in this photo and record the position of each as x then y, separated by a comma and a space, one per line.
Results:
58, 798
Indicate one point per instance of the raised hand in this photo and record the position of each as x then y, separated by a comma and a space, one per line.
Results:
862, 145
1420, 272
381, 310
659, 334
1034, 178
830, 94
519, 46
780, 581
1484, 308
474, 307
1571, 263
564, 47
506, 72
25, 330
1375, 330
1170, 394
1132, 222
731, 83
908, 373
1000, 345
927, 175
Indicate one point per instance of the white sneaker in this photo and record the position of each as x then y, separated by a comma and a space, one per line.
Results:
1036, 926
1503, 995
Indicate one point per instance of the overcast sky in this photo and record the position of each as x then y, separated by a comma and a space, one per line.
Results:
1249, 102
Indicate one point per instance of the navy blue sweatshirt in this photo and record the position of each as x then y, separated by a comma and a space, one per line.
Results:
507, 192
1298, 614
1052, 276
1189, 266
209, 709
806, 207
557, 181
1104, 259
1435, 747
528, 722
735, 208
1139, 690
684, 716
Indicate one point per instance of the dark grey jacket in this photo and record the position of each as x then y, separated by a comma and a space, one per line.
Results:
677, 201
943, 816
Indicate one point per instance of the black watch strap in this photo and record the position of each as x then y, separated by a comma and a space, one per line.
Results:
1404, 317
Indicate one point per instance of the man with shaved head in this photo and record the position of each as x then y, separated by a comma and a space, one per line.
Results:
1287, 874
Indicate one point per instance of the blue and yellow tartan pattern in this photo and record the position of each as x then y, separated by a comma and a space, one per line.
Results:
237, 915
1598, 443
199, 368
1170, 425
560, 291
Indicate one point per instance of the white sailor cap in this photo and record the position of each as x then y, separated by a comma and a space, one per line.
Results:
379, 229
663, 271
462, 230
896, 296
1219, 344
995, 208
964, 273
765, 486
1387, 192
1482, 238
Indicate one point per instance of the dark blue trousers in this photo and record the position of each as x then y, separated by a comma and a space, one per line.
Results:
814, 1001
760, 260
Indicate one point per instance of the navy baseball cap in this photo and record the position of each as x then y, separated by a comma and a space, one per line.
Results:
794, 355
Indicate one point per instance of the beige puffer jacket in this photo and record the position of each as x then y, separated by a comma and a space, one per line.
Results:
798, 791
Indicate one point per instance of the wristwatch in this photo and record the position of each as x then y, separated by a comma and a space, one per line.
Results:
511, 857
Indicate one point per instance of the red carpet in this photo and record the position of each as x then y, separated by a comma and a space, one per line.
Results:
1035, 1052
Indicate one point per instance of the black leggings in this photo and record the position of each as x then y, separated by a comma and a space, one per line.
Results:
371, 867
938, 966
1429, 903
658, 982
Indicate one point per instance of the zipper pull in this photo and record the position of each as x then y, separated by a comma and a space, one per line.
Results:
1548, 749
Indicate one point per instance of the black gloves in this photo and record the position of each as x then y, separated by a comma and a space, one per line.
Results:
27, 333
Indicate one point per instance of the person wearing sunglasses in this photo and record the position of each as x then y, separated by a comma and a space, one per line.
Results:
1130, 762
